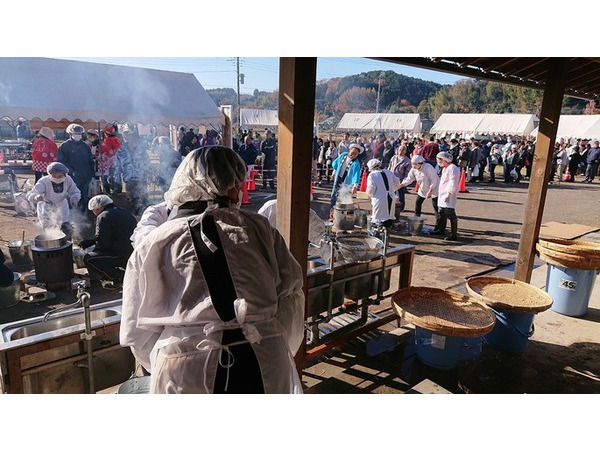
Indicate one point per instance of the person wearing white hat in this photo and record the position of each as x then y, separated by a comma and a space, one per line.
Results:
427, 178
107, 253
76, 155
53, 194
447, 196
381, 187
212, 298
43, 152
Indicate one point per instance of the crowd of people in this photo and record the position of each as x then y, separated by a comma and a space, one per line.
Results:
478, 158
344, 164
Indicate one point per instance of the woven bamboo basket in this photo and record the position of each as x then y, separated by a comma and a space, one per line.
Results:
443, 311
569, 258
575, 248
507, 294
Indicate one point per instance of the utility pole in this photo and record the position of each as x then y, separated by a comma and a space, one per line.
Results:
238, 95
379, 80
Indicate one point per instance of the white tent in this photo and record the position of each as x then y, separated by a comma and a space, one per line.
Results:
576, 126
485, 124
56, 89
594, 131
259, 118
410, 123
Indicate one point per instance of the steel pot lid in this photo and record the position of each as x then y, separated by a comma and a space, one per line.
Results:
345, 206
47, 241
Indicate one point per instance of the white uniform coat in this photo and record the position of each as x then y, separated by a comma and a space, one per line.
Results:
379, 195
152, 217
427, 178
53, 210
171, 325
448, 190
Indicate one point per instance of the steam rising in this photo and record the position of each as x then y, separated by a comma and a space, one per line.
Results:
345, 195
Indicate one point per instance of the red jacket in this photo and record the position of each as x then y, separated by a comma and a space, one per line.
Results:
430, 150
44, 150
110, 146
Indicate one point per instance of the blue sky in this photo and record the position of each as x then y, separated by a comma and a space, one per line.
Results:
262, 73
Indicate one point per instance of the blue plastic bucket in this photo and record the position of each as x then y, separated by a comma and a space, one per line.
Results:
570, 289
511, 332
437, 350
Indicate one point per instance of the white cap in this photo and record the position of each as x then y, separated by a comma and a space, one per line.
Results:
374, 164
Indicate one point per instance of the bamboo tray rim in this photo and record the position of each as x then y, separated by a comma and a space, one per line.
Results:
544, 303
443, 326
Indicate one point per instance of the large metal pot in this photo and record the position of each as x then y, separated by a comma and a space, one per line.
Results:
361, 218
50, 241
344, 216
359, 248
20, 254
11, 295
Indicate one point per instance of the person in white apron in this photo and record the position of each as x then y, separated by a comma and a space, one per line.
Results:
54, 193
447, 197
381, 188
212, 298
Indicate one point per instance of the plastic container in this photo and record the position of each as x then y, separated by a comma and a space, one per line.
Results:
511, 332
137, 385
415, 225
443, 319
438, 350
570, 289
11, 295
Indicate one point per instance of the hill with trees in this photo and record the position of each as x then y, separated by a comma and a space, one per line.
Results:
401, 94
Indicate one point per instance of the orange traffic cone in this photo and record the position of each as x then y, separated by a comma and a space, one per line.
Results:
462, 185
363, 182
245, 197
251, 183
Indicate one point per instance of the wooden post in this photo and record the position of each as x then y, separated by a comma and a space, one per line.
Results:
542, 162
297, 80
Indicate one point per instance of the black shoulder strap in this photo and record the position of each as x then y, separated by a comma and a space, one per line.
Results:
215, 268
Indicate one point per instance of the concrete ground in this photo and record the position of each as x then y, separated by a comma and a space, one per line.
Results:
561, 356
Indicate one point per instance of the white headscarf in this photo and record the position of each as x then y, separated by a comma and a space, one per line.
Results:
205, 174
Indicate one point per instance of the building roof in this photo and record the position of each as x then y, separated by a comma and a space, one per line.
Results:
57, 89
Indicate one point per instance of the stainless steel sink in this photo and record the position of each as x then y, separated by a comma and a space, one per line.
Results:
57, 324
67, 322
38, 356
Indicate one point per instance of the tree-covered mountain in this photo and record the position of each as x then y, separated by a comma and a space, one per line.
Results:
401, 94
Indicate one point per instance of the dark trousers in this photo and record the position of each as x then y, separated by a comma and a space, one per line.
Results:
137, 196
419, 205
105, 267
590, 171
269, 173
448, 213
493, 173
401, 197
84, 187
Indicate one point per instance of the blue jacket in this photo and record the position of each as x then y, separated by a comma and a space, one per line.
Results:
593, 155
132, 165
353, 176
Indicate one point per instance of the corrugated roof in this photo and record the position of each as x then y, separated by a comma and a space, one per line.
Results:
57, 89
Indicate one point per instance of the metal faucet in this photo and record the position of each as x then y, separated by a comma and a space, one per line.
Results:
64, 308
83, 299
